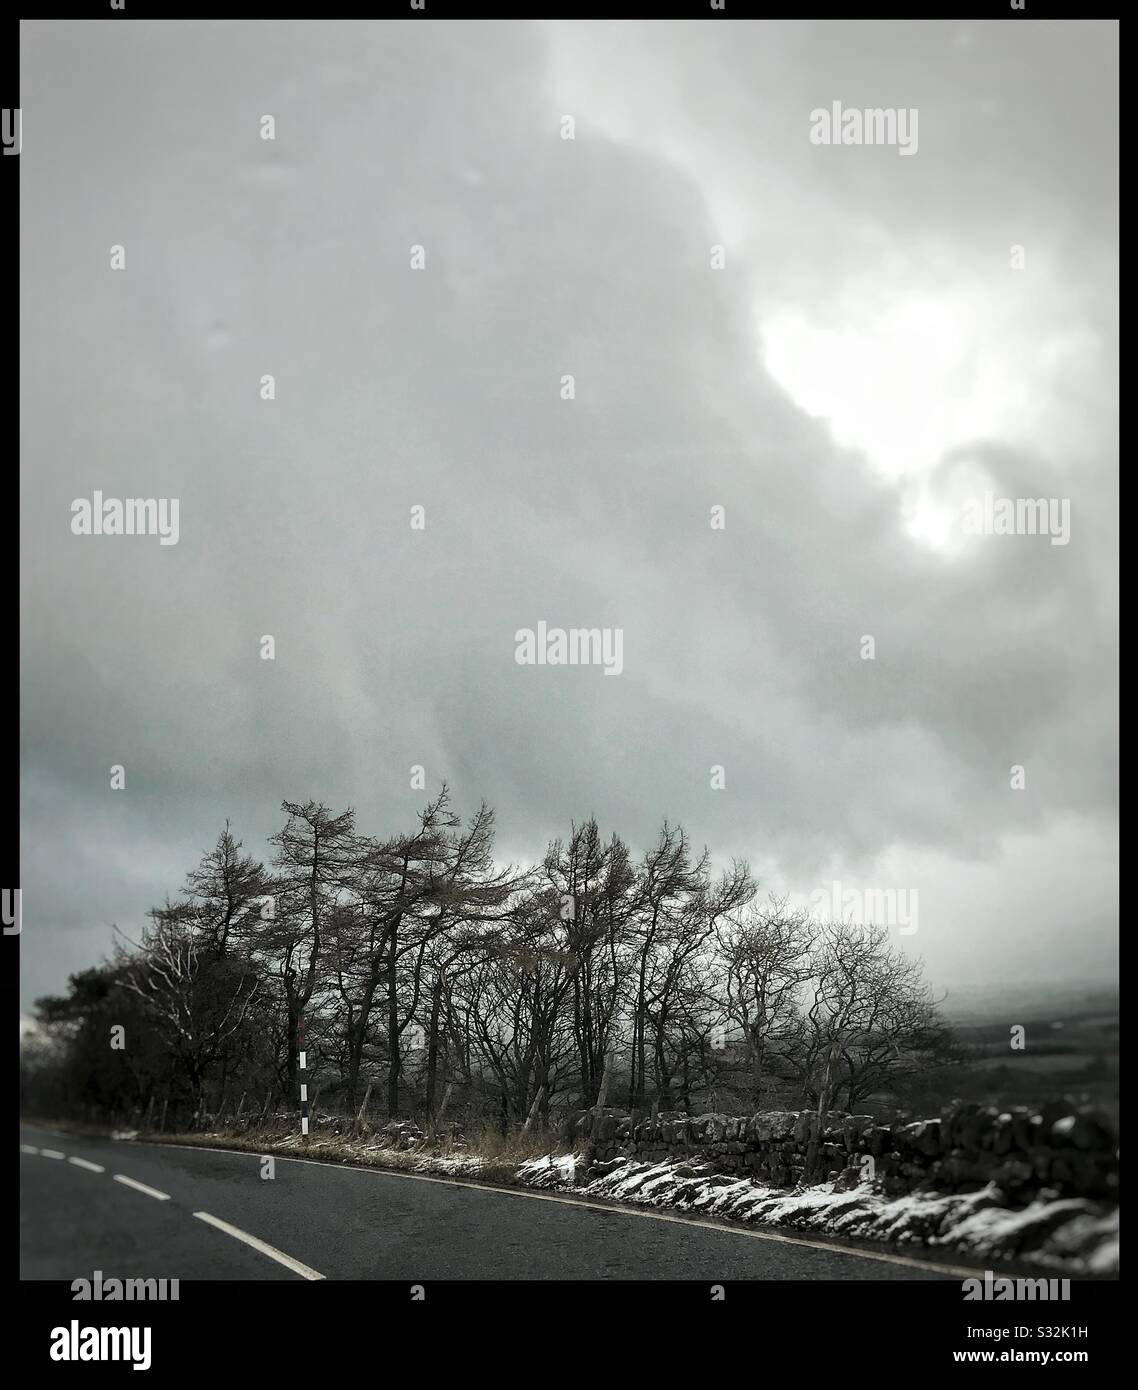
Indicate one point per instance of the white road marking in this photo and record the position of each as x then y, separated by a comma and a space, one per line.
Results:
141, 1187
91, 1167
51, 1153
28, 1149
613, 1209
273, 1253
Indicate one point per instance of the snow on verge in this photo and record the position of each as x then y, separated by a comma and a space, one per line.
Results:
1072, 1235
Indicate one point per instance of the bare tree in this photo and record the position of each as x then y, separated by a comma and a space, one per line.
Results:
222, 889
869, 1014
316, 854
196, 1004
590, 891
766, 956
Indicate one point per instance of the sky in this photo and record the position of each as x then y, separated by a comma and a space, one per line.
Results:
862, 355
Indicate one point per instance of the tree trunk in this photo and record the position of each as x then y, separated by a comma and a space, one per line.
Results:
393, 1038
293, 1041
825, 1092
603, 1089
433, 1043
636, 1082
533, 1109
358, 1034
438, 1114
359, 1125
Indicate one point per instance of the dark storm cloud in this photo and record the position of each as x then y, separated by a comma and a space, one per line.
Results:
441, 388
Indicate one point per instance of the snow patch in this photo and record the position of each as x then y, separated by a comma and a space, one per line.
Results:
1071, 1234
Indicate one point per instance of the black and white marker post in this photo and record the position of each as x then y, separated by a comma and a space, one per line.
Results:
303, 1076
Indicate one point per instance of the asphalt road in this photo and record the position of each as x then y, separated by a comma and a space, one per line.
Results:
315, 1220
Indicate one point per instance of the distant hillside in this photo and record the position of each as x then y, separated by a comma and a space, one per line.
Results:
1063, 1000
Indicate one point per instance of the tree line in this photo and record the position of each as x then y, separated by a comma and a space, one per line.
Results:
434, 981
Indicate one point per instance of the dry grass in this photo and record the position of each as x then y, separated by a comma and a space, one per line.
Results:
486, 1156
494, 1146
80, 1128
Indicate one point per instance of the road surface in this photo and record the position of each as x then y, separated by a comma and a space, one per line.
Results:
158, 1212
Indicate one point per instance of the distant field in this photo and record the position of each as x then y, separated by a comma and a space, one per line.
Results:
1071, 1036
977, 1005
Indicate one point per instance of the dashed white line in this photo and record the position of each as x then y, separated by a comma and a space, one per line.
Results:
289, 1263
141, 1187
297, 1267
82, 1163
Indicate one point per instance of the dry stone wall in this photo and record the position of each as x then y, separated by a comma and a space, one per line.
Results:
1065, 1150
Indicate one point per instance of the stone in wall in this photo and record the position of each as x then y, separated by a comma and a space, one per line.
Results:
1066, 1149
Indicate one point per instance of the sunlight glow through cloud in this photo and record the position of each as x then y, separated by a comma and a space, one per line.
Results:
917, 377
